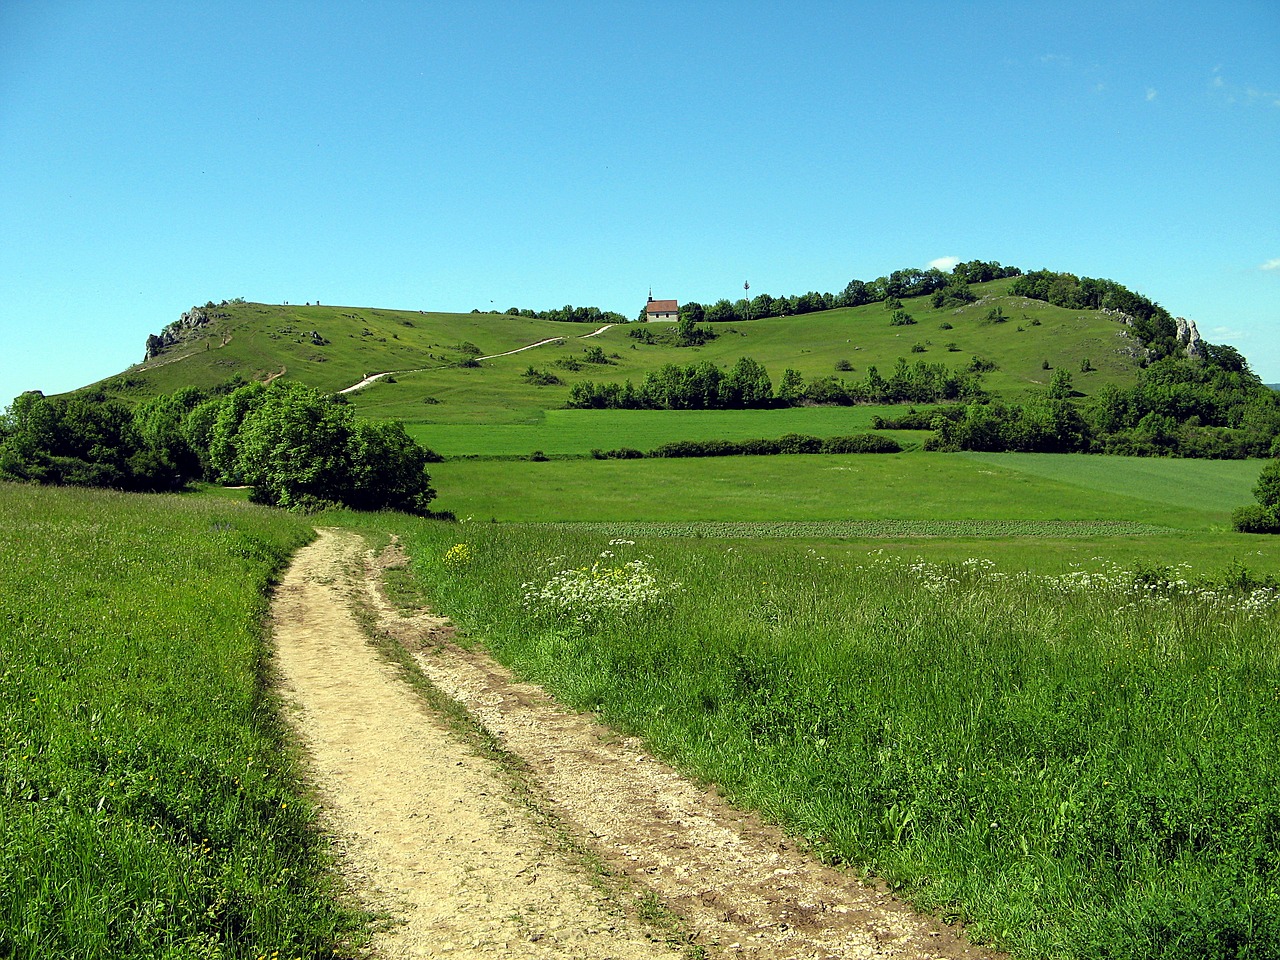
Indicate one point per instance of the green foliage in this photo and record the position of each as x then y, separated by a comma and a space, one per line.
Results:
1050, 426
296, 447
149, 803
566, 314
299, 448
901, 318
1268, 489
1255, 518
704, 386
1059, 385
1264, 516
541, 378
792, 443
89, 440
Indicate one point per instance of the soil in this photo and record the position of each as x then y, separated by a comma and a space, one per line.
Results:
595, 850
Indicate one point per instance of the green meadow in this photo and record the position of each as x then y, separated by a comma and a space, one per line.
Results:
578, 432
150, 804
1035, 693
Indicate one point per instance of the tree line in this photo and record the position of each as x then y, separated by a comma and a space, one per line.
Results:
294, 446
566, 314
1210, 407
907, 282
747, 385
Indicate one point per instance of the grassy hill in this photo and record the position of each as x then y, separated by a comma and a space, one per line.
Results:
333, 348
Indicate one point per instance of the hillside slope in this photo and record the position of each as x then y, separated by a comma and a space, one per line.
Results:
436, 380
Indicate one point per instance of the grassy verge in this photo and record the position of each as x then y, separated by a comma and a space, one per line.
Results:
148, 805
1078, 765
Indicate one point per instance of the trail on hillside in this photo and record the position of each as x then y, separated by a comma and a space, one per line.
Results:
375, 377
432, 834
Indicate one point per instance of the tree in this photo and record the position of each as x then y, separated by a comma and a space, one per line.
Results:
1264, 516
224, 452
855, 294
83, 440
693, 309
302, 449
1267, 490
721, 311
1059, 385
747, 386
790, 387
292, 447
388, 469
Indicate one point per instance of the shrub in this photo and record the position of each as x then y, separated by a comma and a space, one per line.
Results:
541, 378
1255, 518
799, 443
844, 366
861, 443
901, 318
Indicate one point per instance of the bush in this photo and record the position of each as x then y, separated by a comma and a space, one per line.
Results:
301, 449
861, 443
844, 366
901, 318
1255, 518
541, 378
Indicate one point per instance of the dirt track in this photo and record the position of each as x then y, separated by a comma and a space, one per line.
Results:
434, 835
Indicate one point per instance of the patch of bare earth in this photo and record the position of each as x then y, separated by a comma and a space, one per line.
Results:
432, 835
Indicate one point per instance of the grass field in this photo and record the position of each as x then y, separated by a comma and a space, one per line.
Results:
986, 678
1077, 765
1183, 493
149, 805
581, 431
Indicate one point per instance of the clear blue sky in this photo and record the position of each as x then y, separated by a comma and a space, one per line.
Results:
445, 156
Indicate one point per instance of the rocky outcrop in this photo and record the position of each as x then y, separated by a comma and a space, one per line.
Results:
1187, 334
1189, 337
186, 327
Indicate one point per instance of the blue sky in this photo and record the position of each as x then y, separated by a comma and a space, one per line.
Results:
445, 156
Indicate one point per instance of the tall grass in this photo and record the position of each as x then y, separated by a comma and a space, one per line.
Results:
148, 807
1078, 765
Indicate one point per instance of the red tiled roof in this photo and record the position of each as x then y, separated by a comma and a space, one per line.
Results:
662, 306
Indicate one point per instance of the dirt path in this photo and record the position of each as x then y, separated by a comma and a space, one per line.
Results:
432, 834
375, 377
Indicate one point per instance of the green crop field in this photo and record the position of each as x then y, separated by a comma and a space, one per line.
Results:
1078, 763
149, 805
581, 431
